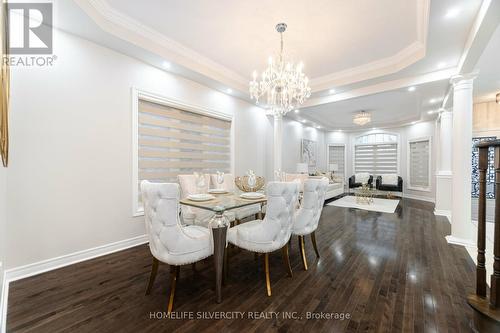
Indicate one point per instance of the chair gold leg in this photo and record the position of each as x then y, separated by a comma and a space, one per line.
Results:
174, 276
152, 276
268, 279
286, 259
313, 239
302, 252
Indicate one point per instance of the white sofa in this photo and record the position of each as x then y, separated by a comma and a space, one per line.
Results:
334, 188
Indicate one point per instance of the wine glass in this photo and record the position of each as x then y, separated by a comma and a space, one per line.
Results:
279, 175
220, 179
251, 180
200, 182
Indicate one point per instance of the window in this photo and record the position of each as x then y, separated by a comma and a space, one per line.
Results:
172, 141
419, 164
376, 154
336, 155
490, 172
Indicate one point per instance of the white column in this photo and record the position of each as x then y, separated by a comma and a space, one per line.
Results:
444, 173
278, 141
462, 231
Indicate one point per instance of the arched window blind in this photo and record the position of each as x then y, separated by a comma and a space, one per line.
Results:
376, 154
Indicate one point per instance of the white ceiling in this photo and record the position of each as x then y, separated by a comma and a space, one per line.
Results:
368, 51
241, 35
390, 108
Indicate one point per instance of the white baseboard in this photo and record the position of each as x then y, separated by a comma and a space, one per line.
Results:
22, 272
442, 212
418, 197
460, 241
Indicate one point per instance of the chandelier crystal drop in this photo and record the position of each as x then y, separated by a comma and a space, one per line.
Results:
283, 83
362, 118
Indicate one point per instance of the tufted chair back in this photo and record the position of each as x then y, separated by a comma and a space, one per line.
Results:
192, 215
282, 199
168, 240
307, 217
228, 184
297, 177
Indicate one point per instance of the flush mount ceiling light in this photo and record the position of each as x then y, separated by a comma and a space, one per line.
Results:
362, 118
441, 65
283, 83
451, 13
411, 89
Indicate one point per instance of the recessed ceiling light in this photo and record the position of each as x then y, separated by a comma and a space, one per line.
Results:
433, 100
166, 64
413, 122
441, 65
452, 12
303, 121
297, 111
318, 127
431, 111
411, 89
374, 128
229, 90
331, 91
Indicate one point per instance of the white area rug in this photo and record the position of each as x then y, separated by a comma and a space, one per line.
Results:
378, 205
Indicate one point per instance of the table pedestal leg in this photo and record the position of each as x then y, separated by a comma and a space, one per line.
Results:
219, 236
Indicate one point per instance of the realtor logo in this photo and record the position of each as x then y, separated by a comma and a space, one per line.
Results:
30, 28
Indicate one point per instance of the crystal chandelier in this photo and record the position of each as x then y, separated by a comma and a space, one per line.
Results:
361, 118
283, 83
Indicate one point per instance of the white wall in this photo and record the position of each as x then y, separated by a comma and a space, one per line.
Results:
71, 147
405, 133
293, 133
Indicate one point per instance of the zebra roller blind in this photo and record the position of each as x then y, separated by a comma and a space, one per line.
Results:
376, 159
173, 141
336, 156
419, 164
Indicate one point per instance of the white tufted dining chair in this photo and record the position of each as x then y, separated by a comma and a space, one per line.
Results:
191, 215
307, 217
297, 177
272, 233
169, 241
240, 213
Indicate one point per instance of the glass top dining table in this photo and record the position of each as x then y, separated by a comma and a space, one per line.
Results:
219, 204
223, 202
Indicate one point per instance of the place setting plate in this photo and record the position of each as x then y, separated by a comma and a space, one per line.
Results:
200, 197
252, 195
217, 191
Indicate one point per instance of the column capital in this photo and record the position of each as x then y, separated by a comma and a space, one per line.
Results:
463, 79
445, 113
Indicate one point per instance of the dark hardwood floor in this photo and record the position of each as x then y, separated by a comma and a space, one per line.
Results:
388, 272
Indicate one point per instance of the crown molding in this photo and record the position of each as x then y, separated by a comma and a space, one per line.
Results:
382, 86
407, 56
132, 31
